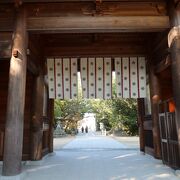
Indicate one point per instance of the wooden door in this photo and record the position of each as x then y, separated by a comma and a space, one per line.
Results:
174, 159
169, 139
164, 137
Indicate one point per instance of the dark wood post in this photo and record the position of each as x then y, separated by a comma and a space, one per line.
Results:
37, 121
51, 116
16, 99
155, 92
141, 114
174, 44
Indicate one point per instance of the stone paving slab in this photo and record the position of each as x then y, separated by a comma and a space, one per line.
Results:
93, 158
101, 165
90, 157
94, 142
129, 141
61, 141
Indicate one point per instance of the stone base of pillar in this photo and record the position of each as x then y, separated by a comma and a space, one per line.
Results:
33, 163
17, 177
25, 163
39, 162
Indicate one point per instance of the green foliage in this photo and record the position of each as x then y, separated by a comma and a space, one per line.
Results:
69, 108
126, 115
115, 114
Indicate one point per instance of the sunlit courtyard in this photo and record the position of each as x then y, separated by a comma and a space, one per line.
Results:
95, 157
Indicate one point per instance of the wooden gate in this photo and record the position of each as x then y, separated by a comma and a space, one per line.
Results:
169, 139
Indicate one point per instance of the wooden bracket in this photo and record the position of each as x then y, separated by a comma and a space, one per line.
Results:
15, 53
100, 1
98, 6
17, 3
174, 34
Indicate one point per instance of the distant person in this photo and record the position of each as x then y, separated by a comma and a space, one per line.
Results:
86, 129
82, 129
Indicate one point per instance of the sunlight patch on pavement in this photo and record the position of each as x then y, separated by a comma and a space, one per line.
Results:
126, 155
83, 157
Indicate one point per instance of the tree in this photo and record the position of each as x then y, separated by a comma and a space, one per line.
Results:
114, 113
125, 111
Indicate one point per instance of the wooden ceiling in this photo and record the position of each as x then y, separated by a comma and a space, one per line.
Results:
105, 44
32, 1
72, 27
90, 16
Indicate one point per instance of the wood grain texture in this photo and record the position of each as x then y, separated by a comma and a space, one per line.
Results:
85, 17
99, 24
155, 94
36, 118
16, 100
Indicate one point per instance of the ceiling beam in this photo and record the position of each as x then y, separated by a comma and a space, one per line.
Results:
90, 24
99, 24
98, 50
35, 1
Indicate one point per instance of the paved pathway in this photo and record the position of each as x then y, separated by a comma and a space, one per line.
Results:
93, 142
92, 157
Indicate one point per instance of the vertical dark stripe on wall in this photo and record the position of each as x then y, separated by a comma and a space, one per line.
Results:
129, 77
122, 77
112, 61
87, 78
55, 78
62, 78
95, 78
103, 80
138, 76
70, 88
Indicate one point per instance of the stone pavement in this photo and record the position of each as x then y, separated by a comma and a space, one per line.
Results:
94, 142
91, 157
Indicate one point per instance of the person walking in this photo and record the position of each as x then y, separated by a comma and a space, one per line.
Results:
82, 129
86, 129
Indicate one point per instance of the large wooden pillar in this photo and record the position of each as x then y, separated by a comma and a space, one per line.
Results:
155, 93
141, 114
16, 98
37, 121
174, 44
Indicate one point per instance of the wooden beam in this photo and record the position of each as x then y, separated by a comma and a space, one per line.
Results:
16, 99
35, 1
99, 24
164, 64
95, 9
5, 45
98, 50
5, 53
89, 24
